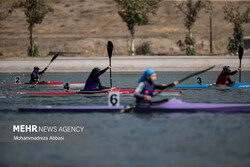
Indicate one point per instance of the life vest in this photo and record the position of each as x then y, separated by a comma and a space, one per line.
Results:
147, 90
221, 80
36, 74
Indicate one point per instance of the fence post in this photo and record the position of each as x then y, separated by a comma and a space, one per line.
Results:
171, 48
48, 46
77, 47
18, 49
3, 47
127, 53
94, 47
63, 45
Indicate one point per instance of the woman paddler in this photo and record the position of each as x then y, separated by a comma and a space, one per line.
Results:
34, 76
93, 82
146, 87
223, 78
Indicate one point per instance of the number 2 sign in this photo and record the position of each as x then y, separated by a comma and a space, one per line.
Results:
17, 80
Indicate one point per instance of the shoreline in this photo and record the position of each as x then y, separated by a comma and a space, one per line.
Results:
124, 64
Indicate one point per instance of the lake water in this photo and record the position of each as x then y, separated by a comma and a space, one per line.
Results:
130, 139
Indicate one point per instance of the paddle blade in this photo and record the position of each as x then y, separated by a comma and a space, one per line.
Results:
241, 51
54, 57
110, 48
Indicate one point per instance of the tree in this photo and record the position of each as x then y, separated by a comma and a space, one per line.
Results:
35, 11
190, 10
36, 52
136, 12
232, 15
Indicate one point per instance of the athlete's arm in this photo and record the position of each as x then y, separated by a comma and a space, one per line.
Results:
230, 73
43, 70
161, 87
138, 90
100, 72
230, 81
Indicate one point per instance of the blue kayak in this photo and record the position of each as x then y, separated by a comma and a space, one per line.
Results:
192, 86
236, 85
239, 85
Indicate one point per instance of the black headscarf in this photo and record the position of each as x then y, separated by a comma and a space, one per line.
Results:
94, 72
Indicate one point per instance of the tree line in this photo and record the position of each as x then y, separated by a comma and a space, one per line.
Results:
138, 13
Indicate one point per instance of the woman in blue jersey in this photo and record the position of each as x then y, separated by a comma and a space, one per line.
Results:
93, 82
146, 87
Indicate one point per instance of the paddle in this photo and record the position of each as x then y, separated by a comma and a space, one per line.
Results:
184, 79
53, 58
169, 86
241, 51
110, 50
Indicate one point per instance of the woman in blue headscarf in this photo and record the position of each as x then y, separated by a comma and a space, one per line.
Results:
146, 87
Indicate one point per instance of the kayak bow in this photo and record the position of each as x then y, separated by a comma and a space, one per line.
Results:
239, 85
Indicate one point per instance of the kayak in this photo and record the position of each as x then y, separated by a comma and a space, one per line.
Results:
240, 85
192, 86
51, 84
172, 106
236, 85
98, 92
227, 87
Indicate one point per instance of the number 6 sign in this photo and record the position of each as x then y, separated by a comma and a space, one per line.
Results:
114, 98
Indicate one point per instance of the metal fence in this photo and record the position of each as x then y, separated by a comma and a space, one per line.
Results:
170, 44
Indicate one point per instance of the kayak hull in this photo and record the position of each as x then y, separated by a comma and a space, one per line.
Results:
240, 85
227, 87
178, 106
50, 84
122, 91
192, 86
76, 109
173, 106
98, 92
236, 85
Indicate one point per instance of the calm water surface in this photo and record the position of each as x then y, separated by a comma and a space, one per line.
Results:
130, 139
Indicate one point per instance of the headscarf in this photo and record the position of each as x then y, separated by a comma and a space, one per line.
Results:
36, 68
94, 72
226, 68
146, 73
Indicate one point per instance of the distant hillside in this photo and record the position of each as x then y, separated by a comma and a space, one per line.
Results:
85, 26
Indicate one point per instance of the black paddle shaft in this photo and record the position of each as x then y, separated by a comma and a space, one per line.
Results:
241, 52
53, 58
110, 50
197, 73
110, 73
187, 77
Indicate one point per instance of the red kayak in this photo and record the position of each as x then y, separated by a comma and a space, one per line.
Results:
51, 84
100, 92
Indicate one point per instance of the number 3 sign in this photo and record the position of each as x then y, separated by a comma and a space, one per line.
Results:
114, 98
